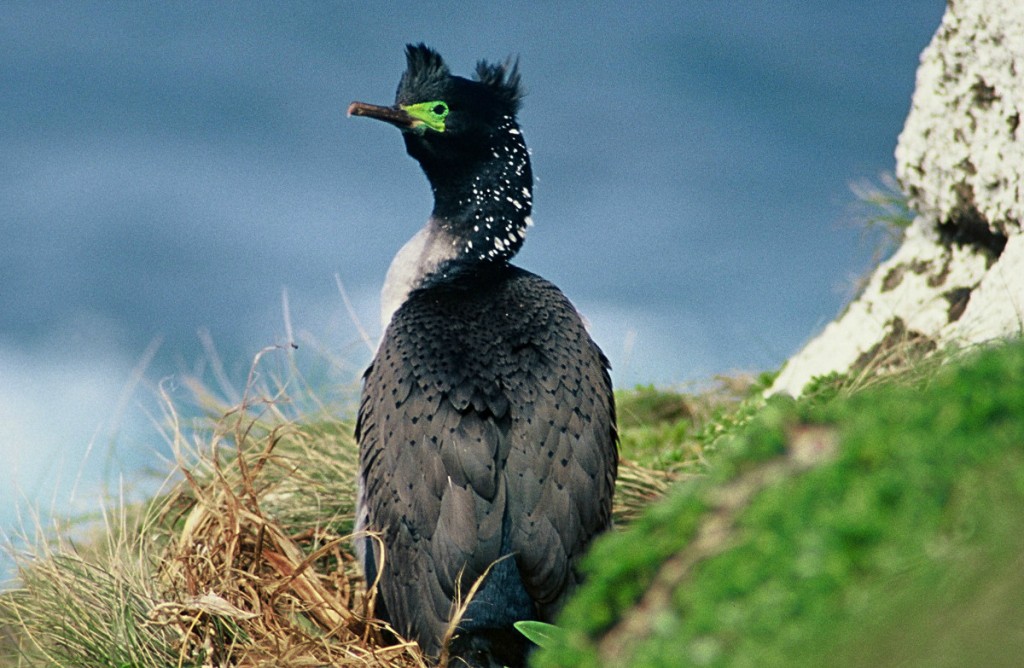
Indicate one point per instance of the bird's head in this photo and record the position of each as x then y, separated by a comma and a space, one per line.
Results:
464, 134
450, 123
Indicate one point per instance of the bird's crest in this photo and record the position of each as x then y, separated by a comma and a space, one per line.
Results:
426, 77
425, 74
503, 79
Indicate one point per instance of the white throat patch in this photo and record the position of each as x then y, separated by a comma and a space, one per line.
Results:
417, 259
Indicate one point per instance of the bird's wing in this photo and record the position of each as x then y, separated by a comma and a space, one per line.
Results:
431, 440
563, 458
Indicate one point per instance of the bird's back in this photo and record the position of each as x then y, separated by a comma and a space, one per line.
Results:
487, 441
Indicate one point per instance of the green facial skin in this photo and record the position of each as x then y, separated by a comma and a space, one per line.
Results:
427, 115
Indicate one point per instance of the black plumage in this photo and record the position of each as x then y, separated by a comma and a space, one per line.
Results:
487, 423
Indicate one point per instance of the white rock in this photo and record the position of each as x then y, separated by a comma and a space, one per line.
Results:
958, 277
996, 307
964, 136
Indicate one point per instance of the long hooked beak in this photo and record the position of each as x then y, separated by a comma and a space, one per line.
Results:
393, 115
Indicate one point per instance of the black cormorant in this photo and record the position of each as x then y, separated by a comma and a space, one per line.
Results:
486, 424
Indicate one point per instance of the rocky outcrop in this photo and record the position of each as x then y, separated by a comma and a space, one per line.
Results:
958, 277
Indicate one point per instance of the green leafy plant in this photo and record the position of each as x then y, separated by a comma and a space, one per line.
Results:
541, 633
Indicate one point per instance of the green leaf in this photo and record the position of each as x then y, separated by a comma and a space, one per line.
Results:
541, 633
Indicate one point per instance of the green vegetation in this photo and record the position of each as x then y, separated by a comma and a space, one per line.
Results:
882, 526
882, 208
878, 520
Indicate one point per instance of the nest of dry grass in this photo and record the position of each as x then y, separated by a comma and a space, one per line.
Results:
246, 561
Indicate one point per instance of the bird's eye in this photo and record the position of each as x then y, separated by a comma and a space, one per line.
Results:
440, 109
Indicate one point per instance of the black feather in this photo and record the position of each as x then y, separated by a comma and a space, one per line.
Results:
425, 78
504, 80
456, 493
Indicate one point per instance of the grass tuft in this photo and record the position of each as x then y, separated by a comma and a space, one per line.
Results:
245, 559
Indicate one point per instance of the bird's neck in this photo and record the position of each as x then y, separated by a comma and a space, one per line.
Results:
486, 207
480, 217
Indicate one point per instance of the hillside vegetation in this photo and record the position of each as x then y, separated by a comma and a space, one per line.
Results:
876, 521
878, 527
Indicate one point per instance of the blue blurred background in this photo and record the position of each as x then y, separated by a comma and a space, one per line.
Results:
179, 178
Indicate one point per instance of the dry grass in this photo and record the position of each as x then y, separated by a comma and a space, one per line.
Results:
245, 561
905, 356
